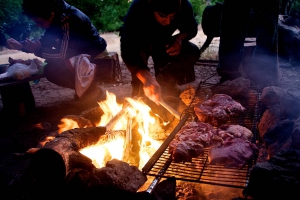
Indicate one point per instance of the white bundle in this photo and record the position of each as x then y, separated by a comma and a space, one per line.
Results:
19, 71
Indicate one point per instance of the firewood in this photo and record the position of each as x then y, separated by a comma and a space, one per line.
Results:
94, 115
67, 146
81, 121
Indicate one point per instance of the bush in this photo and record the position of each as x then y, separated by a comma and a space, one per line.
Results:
199, 6
106, 15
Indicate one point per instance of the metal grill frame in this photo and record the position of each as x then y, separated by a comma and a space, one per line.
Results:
199, 170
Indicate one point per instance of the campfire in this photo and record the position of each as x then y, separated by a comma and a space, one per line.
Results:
123, 122
104, 148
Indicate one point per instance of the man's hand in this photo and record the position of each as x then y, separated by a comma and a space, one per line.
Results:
174, 48
151, 88
13, 44
32, 46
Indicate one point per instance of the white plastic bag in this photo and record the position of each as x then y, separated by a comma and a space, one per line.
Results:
19, 71
84, 72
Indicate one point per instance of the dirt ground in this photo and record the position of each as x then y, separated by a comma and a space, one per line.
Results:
54, 102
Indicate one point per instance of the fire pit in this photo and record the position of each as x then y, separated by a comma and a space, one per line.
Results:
125, 133
95, 149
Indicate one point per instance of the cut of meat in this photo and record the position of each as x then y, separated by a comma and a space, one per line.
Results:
184, 151
190, 140
196, 131
218, 109
234, 131
235, 152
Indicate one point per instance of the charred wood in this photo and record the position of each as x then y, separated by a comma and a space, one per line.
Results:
81, 121
94, 115
62, 153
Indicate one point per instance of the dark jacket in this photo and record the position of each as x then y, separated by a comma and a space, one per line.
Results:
141, 30
70, 34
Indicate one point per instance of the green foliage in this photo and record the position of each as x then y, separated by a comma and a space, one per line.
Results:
9, 10
199, 6
296, 7
12, 22
106, 15
112, 13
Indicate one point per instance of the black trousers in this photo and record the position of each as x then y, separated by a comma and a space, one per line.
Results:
234, 25
61, 72
168, 69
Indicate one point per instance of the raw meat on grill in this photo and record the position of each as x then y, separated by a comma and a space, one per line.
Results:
235, 152
218, 109
234, 131
196, 131
190, 140
184, 151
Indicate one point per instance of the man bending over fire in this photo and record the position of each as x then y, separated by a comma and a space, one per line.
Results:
149, 30
68, 44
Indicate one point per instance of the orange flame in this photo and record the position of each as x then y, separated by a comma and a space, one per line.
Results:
67, 124
111, 145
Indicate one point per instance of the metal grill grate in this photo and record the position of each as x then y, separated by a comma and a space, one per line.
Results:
199, 170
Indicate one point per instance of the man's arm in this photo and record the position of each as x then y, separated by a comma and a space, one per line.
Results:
151, 87
13, 44
174, 48
26, 45
188, 24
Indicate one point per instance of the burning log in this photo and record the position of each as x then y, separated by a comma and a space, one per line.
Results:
81, 121
94, 115
62, 154
120, 114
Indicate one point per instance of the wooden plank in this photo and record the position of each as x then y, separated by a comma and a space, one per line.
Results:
9, 83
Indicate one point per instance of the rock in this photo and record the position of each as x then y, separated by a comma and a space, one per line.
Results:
278, 137
271, 95
290, 106
278, 178
269, 119
120, 176
296, 134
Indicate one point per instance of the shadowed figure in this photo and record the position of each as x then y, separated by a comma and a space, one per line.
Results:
234, 21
